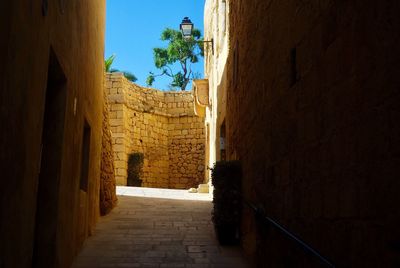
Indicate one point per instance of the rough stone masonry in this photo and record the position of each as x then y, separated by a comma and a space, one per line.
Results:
161, 125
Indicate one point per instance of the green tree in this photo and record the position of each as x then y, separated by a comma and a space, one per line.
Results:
185, 52
109, 61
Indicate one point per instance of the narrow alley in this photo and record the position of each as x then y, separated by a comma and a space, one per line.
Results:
157, 228
289, 117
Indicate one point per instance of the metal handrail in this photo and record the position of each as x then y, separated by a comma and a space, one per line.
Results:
260, 214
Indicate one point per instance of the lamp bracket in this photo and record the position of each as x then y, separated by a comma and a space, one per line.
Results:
209, 41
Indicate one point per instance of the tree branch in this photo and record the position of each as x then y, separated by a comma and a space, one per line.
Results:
171, 74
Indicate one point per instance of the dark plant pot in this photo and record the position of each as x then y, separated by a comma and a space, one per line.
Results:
227, 234
137, 183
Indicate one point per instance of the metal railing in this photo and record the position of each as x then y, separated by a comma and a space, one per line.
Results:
261, 216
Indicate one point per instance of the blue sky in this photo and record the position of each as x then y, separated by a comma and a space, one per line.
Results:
133, 29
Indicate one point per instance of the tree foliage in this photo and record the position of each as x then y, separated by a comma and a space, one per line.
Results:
185, 52
108, 63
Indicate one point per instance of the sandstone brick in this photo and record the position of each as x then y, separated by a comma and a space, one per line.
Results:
121, 172
120, 164
120, 180
119, 141
113, 115
176, 132
116, 122
121, 156
119, 114
169, 99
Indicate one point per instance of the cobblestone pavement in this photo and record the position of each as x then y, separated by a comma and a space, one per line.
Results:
157, 228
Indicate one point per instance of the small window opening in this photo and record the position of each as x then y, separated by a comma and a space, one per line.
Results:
85, 157
293, 66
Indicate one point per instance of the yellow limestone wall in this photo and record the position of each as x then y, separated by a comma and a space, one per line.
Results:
108, 195
163, 126
55, 49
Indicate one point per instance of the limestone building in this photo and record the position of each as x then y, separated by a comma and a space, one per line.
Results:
305, 95
210, 93
51, 104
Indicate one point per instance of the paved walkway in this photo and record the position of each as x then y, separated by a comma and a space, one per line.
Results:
157, 228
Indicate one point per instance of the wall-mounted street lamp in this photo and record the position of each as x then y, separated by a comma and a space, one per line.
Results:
186, 28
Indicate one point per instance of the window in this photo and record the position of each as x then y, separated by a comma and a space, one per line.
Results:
85, 157
293, 66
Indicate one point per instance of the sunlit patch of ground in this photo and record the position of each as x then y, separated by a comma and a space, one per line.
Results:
162, 193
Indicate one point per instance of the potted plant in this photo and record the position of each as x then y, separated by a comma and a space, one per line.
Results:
226, 179
135, 169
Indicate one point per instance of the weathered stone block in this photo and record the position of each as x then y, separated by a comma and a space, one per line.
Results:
120, 164
121, 172
121, 180
120, 114
119, 148
116, 122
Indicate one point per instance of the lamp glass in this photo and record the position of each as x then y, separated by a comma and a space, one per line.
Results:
186, 30
186, 27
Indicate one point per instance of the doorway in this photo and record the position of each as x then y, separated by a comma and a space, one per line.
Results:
44, 250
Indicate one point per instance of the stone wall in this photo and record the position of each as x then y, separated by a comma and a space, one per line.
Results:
108, 196
51, 84
313, 115
162, 125
186, 151
216, 22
